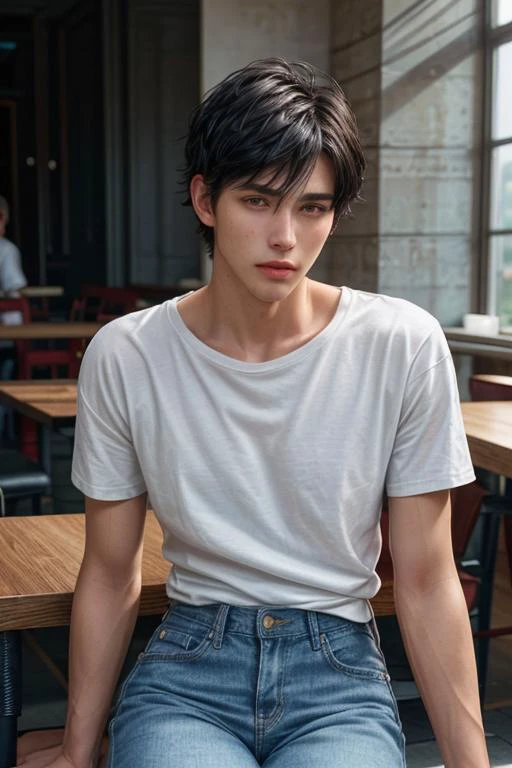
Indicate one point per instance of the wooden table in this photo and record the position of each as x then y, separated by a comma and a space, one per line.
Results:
40, 560
32, 331
42, 291
50, 402
488, 427
41, 557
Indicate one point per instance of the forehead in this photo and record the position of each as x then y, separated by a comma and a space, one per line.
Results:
320, 177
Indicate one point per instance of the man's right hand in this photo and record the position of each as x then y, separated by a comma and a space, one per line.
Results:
51, 757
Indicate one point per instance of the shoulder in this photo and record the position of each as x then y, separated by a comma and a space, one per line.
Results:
122, 340
395, 321
8, 250
393, 312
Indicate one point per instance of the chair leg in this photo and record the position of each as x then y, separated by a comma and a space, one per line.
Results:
507, 528
490, 535
10, 695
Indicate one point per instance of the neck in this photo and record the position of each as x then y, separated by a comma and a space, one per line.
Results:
226, 316
250, 322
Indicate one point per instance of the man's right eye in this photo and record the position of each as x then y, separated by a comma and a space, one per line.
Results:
257, 202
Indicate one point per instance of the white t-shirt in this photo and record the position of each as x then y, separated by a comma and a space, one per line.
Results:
11, 279
268, 478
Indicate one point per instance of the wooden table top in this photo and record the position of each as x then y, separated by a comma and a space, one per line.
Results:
488, 427
41, 557
45, 401
66, 330
42, 291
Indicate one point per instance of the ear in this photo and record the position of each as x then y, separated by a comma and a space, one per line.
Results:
201, 200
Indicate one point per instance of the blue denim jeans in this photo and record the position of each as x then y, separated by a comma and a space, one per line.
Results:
220, 686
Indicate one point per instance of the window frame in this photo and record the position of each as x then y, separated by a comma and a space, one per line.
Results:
493, 38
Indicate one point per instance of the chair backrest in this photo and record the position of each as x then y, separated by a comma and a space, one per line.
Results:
466, 503
101, 302
18, 304
491, 388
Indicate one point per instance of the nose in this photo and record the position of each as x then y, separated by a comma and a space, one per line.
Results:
282, 235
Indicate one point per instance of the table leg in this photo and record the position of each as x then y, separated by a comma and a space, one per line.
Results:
10, 695
45, 448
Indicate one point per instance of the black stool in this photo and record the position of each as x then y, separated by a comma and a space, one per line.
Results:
21, 478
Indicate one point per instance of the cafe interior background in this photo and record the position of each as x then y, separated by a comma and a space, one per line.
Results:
94, 103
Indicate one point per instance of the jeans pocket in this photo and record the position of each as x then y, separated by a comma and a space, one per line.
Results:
177, 640
355, 654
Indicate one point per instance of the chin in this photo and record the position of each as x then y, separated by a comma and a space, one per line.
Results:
273, 294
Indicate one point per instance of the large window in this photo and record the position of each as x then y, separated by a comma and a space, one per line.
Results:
499, 53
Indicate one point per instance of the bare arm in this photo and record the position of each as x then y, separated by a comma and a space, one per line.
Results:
105, 609
435, 625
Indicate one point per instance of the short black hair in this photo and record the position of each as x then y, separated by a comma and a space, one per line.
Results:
276, 115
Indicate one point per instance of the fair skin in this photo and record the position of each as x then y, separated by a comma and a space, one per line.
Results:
244, 312
251, 313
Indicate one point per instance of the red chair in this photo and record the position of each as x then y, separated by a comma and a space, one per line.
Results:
21, 306
30, 358
489, 387
102, 303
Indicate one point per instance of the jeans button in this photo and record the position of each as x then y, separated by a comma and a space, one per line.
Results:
162, 634
268, 622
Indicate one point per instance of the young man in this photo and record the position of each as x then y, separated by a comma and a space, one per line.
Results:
265, 415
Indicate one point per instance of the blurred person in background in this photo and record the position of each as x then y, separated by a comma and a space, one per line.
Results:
12, 279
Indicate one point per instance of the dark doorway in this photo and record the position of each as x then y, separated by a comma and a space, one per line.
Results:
51, 134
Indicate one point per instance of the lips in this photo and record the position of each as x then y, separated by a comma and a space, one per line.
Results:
285, 265
277, 270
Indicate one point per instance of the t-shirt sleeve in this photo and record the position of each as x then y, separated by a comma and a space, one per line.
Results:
12, 277
430, 451
105, 465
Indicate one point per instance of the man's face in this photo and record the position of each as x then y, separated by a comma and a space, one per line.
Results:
266, 243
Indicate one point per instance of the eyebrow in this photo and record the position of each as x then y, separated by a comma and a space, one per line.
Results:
264, 190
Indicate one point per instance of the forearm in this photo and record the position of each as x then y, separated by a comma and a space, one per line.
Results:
436, 632
102, 623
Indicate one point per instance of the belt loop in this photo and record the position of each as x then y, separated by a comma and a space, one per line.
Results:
314, 631
219, 625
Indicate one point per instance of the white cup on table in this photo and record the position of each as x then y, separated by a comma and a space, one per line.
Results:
482, 325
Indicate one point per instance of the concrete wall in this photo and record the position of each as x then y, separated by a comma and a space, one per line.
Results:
411, 71
356, 40
429, 164
235, 32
